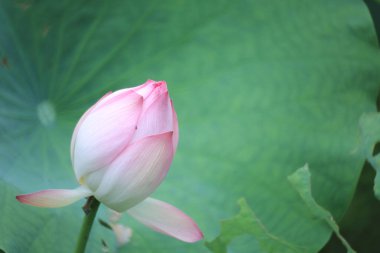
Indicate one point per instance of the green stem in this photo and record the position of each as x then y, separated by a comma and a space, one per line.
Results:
90, 209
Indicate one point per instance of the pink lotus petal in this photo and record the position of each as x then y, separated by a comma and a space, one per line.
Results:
54, 197
167, 219
136, 173
156, 119
74, 137
145, 89
105, 131
159, 88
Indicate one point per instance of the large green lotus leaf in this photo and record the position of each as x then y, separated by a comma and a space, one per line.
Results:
260, 88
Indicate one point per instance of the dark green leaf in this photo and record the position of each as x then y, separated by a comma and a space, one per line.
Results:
370, 133
302, 183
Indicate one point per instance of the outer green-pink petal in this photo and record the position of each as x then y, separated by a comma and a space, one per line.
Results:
54, 197
167, 219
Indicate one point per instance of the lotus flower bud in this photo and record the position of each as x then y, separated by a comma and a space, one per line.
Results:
121, 150
123, 146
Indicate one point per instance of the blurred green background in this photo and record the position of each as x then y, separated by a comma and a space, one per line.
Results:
260, 88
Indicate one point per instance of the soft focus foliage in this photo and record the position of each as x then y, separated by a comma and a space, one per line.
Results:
301, 181
260, 88
247, 223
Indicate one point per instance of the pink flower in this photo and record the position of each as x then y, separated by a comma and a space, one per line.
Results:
121, 150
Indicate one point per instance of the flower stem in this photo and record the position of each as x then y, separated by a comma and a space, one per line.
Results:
90, 209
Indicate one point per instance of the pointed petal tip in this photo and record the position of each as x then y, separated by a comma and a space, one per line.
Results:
198, 237
43, 198
20, 198
194, 237
158, 83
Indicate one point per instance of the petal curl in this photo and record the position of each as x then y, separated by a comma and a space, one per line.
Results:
136, 172
156, 119
54, 197
145, 89
167, 219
